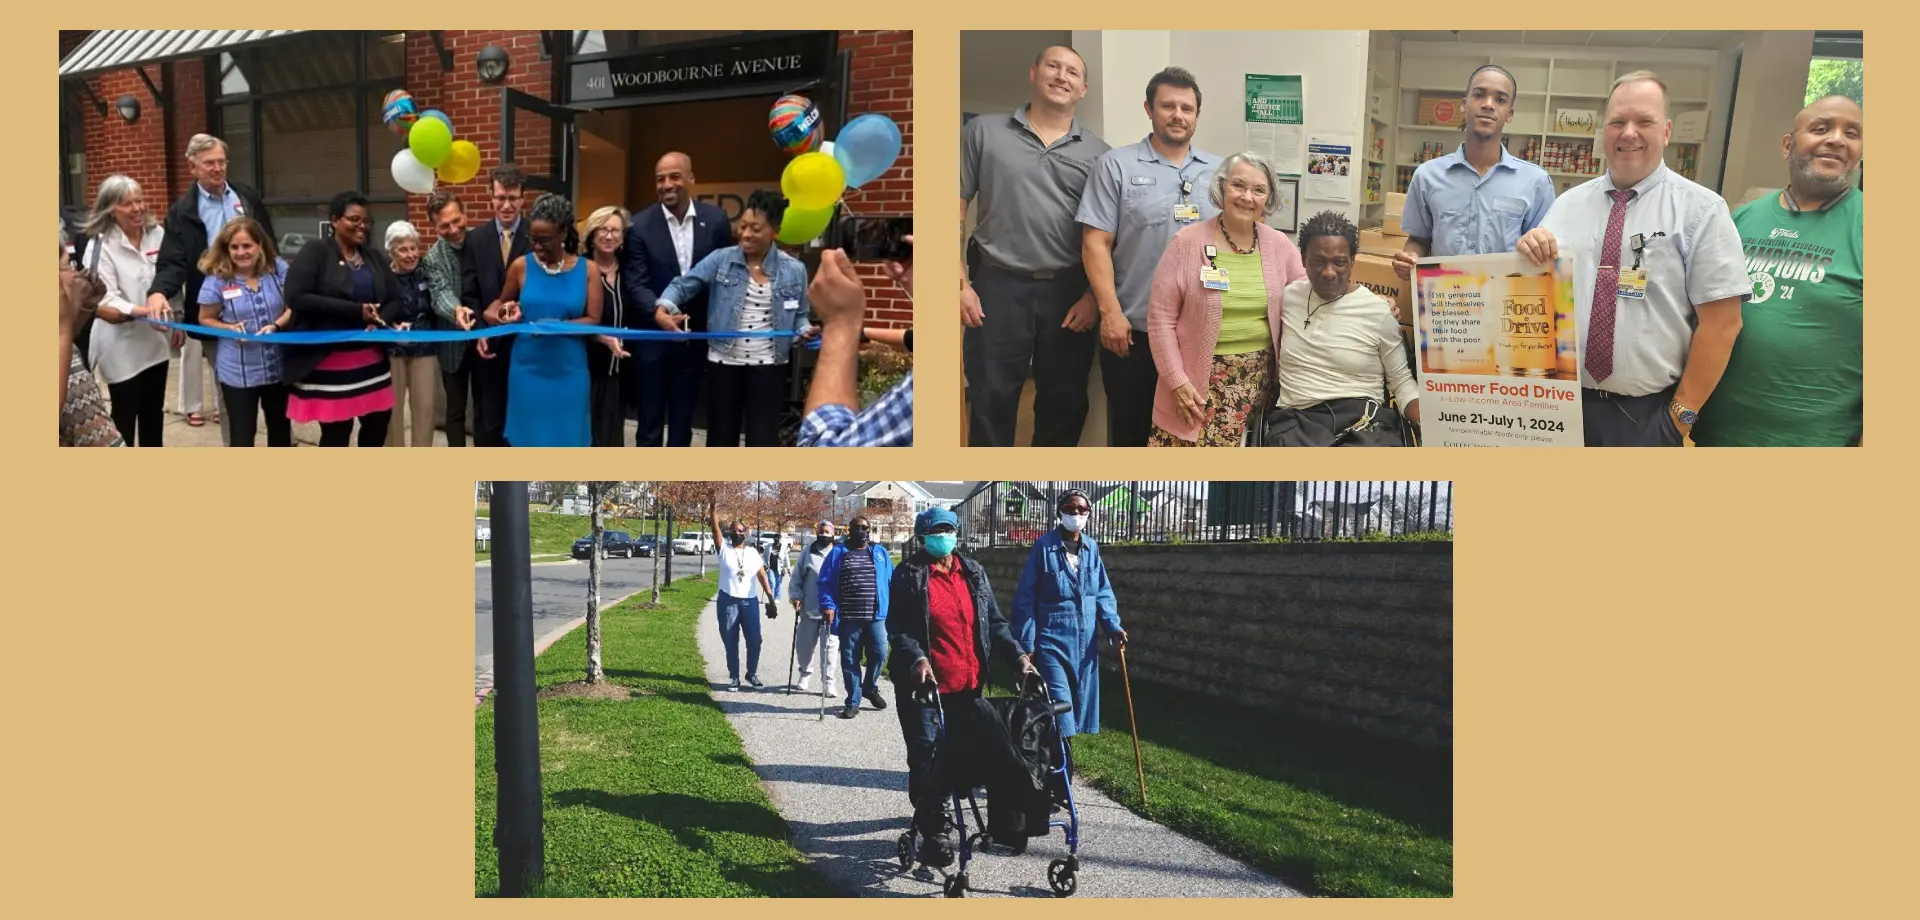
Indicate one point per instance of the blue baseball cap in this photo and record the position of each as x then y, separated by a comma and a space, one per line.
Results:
931, 517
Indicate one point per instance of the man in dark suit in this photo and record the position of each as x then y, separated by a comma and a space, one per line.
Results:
664, 243
490, 248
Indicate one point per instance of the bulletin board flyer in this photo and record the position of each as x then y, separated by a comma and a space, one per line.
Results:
1499, 352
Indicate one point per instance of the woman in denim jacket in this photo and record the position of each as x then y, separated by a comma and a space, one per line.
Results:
753, 287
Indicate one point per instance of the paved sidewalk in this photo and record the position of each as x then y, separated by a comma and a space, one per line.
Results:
842, 787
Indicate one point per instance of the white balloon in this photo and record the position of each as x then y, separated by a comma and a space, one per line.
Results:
826, 147
411, 174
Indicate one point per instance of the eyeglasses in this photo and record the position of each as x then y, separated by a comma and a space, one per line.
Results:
1241, 188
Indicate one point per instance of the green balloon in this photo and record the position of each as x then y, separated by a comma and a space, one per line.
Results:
800, 225
431, 141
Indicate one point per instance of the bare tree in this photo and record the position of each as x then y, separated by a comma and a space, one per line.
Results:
596, 498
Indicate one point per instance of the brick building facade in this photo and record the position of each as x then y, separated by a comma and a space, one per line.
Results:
300, 113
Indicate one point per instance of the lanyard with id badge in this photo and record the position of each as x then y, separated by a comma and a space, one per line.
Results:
1184, 212
1633, 281
1212, 276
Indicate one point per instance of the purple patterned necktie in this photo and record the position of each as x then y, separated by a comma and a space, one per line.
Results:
1606, 286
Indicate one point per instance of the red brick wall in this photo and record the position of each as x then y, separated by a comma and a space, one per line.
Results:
883, 83
474, 107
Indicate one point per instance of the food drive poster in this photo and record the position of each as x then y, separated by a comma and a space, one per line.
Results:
1499, 352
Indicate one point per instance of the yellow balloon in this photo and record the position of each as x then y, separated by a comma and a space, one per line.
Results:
463, 163
799, 225
813, 181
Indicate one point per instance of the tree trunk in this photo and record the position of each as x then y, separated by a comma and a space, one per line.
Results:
594, 674
658, 546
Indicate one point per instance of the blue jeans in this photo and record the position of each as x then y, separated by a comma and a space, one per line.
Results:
854, 637
738, 614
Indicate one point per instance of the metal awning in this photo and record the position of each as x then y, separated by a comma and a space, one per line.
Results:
115, 49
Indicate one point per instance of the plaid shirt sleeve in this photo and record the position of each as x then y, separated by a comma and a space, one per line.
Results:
886, 423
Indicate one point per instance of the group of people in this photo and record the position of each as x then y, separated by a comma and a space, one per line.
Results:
1214, 329
676, 267
931, 622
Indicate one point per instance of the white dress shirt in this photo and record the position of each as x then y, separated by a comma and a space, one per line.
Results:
119, 352
1699, 260
682, 232
1351, 350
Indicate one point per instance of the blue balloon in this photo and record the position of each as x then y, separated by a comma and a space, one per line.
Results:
867, 147
436, 113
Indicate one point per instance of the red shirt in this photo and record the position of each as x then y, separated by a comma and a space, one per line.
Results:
951, 647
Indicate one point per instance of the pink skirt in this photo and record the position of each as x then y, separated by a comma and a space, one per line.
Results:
345, 386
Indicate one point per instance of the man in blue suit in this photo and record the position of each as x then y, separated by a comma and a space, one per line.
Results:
663, 244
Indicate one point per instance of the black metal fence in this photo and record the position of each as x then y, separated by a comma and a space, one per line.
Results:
1140, 511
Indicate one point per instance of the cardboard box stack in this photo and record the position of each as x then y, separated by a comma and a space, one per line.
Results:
1396, 204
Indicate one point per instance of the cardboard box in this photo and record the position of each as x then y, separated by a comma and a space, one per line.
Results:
1447, 111
1376, 273
1396, 203
1390, 224
1379, 242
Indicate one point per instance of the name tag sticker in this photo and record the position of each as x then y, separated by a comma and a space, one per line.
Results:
1213, 279
1185, 213
231, 293
1143, 180
1510, 205
1633, 283
790, 305
423, 285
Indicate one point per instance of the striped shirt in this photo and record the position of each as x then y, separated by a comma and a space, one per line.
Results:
856, 593
240, 363
756, 315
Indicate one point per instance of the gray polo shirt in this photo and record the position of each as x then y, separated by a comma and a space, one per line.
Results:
1132, 195
1025, 193
1698, 260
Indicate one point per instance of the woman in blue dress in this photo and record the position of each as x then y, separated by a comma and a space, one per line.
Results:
547, 382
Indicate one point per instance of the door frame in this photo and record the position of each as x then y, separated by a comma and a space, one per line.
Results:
564, 140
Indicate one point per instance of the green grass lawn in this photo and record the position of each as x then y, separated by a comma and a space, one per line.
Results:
1323, 810
553, 534
650, 796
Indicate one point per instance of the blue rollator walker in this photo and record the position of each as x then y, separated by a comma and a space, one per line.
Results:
1062, 874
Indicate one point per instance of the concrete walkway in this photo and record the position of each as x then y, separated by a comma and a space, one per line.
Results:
842, 787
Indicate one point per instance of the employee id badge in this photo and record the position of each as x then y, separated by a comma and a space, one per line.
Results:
1213, 279
790, 305
1633, 283
1185, 213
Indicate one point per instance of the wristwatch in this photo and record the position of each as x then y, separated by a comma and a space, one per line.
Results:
1685, 415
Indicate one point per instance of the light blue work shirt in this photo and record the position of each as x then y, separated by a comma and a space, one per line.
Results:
216, 210
1132, 194
1463, 213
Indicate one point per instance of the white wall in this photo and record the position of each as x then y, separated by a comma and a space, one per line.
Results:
1333, 63
1772, 91
994, 66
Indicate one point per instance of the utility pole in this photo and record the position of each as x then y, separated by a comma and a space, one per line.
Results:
517, 831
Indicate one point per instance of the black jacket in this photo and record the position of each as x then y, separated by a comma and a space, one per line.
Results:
320, 294
648, 264
177, 273
484, 273
910, 620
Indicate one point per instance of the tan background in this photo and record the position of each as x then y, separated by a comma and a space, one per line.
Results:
240, 685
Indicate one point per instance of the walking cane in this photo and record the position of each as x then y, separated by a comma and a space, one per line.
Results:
793, 648
1139, 767
822, 650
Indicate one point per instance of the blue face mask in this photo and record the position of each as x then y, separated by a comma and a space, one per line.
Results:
939, 545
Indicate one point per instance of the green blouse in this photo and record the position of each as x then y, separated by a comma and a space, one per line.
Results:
1243, 306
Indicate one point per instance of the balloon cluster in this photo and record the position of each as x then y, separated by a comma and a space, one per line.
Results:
431, 150
821, 172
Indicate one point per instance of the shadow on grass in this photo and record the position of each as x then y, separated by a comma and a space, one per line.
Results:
696, 824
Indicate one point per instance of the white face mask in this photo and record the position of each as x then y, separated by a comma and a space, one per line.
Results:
1074, 523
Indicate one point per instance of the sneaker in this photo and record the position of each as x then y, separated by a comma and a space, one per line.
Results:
936, 851
754, 679
873, 696
733, 684
805, 685
848, 712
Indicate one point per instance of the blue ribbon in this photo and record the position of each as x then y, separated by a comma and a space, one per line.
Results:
433, 336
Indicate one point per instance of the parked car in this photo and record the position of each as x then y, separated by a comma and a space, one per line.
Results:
645, 545
612, 543
693, 543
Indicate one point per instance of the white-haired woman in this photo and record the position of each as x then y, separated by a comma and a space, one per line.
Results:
610, 368
416, 368
1213, 318
128, 354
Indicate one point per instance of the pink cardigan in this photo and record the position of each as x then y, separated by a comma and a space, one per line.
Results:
1183, 317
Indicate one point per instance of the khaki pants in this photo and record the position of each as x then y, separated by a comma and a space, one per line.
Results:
416, 385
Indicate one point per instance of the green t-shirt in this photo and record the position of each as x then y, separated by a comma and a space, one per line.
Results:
1795, 378
1243, 306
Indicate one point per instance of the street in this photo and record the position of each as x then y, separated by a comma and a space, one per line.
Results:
559, 597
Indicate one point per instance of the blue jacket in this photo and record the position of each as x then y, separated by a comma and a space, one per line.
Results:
882, 577
1058, 616
723, 277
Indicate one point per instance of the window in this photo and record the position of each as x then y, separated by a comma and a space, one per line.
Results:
302, 123
1831, 76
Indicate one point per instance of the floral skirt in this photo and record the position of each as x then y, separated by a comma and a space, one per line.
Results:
1233, 397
